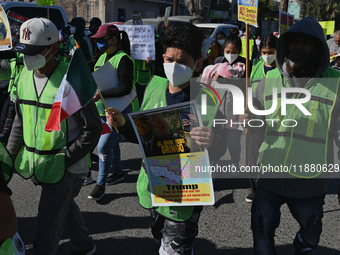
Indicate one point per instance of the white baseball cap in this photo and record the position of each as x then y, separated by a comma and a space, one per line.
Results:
35, 35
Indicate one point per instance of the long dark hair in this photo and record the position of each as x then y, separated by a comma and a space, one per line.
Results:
124, 42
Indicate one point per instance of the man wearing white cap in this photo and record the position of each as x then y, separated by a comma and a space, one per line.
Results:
57, 160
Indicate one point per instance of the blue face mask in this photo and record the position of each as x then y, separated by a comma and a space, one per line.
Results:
102, 45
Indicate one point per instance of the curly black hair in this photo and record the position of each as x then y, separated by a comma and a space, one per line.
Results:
186, 37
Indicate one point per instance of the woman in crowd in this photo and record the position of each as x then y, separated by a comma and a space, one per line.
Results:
115, 46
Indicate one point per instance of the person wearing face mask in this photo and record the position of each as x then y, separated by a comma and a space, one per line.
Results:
56, 161
175, 227
77, 28
231, 52
95, 23
215, 50
260, 68
302, 59
115, 46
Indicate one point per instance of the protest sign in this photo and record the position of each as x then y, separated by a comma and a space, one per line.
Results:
175, 164
247, 11
137, 19
286, 21
142, 40
46, 2
329, 26
106, 78
166, 17
15, 21
5, 31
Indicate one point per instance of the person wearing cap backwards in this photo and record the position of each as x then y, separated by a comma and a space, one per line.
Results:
302, 58
54, 160
78, 37
115, 46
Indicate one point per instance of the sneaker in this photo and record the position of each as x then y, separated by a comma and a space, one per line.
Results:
87, 252
114, 178
88, 181
97, 193
250, 197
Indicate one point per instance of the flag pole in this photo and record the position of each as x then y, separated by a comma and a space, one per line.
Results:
102, 98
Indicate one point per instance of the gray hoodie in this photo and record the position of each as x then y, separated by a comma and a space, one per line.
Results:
297, 187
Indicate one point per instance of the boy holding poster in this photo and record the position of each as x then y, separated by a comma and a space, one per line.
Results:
175, 227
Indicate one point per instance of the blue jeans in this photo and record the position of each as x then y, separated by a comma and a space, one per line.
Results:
58, 211
265, 218
109, 153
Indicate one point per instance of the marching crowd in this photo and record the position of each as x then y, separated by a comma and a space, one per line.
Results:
58, 161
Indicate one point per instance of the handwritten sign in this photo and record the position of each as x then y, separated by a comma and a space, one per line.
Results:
142, 40
247, 11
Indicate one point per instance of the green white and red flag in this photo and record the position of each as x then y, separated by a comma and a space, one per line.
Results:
76, 90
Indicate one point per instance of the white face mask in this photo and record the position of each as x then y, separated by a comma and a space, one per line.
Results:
221, 41
269, 58
231, 57
178, 74
72, 30
36, 62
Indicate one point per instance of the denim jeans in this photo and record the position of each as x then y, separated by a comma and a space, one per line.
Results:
58, 211
265, 218
109, 154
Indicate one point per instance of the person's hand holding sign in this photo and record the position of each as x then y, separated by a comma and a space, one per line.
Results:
203, 136
114, 117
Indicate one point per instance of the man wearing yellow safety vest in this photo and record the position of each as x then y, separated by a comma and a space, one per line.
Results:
297, 150
175, 227
54, 160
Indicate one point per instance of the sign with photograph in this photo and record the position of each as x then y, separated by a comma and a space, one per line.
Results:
174, 162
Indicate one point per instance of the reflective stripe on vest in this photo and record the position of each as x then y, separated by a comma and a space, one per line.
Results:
284, 145
6, 163
115, 60
142, 72
155, 97
43, 153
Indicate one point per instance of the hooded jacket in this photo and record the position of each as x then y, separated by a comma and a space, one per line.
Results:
82, 40
298, 187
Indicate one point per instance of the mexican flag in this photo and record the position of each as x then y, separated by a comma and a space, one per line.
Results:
76, 90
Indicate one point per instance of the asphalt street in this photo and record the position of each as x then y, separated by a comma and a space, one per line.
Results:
119, 225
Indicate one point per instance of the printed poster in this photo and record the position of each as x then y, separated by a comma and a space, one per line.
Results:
247, 11
5, 31
142, 40
173, 161
137, 19
286, 21
15, 21
166, 17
